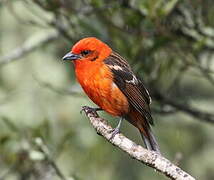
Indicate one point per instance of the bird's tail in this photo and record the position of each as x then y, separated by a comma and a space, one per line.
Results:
135, 118
150, 141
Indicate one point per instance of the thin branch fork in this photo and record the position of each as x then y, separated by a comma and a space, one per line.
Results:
150, 158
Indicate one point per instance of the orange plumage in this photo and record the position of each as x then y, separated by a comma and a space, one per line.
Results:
109, 82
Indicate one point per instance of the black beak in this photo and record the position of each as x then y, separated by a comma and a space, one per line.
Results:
71, 56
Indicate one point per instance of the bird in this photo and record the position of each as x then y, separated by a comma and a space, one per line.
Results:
108, 80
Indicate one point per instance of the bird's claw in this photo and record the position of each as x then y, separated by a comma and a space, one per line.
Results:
114, 132
88, 110
117, 129
83, 109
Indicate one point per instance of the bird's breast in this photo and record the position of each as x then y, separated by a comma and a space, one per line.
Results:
97, 82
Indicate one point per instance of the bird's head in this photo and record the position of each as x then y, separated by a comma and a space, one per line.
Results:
89, 49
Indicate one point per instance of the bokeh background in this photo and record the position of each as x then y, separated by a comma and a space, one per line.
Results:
169, 43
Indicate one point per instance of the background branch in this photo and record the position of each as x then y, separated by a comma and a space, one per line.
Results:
44, 149
30, 45
197, 114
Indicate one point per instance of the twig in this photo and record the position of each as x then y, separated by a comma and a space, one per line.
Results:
66, 92
150, 158
4, 175
202, 116
191, 30
28, 47
61, 27
206, 74
42, 146
165, 110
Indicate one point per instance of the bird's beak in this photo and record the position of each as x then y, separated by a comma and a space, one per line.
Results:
71, 56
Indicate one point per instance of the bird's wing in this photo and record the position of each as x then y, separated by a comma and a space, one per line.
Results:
130, 85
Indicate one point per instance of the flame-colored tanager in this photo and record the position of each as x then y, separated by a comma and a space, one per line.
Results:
109, 81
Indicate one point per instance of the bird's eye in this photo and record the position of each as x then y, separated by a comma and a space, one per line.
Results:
85, 52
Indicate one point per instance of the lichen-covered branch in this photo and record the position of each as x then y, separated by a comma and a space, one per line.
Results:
150, 158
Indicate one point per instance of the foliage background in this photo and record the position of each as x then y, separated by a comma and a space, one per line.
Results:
169, 43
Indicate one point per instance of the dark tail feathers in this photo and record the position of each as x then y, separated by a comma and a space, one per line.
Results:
150, 141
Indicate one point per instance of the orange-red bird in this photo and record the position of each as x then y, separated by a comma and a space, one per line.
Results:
109, 81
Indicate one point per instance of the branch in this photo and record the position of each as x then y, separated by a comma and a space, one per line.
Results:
44, 149
191, 29
72, 91
200, 115
30, 45
150, 158
4, 175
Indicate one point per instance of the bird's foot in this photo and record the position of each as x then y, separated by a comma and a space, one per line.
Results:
116, 130
88, 110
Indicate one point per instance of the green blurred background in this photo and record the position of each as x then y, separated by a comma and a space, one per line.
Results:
169, 43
